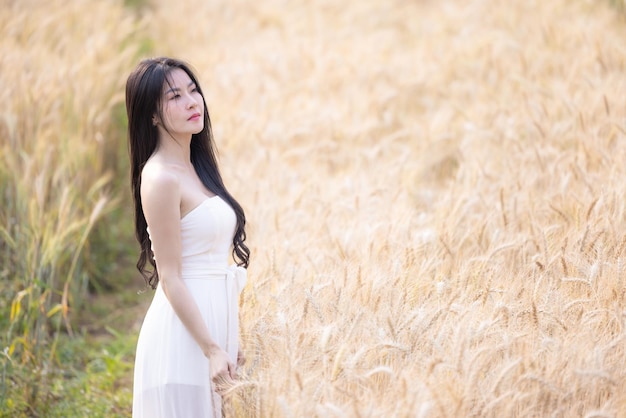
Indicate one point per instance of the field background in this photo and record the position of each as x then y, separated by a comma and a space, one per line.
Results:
435, 194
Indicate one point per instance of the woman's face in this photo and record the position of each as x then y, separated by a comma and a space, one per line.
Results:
182, 106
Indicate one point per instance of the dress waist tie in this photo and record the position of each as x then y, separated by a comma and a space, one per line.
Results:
235, 278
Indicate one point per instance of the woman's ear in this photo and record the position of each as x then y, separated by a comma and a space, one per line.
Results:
155, 122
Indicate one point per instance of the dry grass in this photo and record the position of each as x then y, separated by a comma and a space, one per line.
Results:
61, 80
435, 193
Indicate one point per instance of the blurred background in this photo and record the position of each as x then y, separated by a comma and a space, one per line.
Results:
434, 193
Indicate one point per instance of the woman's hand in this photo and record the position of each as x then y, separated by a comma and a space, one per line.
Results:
222, 370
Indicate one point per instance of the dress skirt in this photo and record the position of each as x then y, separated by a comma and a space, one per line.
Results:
171, 377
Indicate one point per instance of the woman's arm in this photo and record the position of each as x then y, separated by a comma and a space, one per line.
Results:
160, 197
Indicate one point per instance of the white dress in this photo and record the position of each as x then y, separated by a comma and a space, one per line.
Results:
171, 377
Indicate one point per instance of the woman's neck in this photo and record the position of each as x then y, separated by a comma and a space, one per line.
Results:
176, 150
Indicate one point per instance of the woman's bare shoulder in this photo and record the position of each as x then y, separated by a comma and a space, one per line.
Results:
160, 202
159, 178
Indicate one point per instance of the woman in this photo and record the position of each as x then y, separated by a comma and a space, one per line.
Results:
185, 222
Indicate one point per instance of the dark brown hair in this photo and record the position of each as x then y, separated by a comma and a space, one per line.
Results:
144, 89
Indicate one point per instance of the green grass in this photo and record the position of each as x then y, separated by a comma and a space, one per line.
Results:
91, 373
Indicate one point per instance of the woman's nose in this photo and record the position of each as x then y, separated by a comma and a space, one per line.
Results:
191, 102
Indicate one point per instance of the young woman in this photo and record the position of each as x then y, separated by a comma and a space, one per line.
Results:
186, 223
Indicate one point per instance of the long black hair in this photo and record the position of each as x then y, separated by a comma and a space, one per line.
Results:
144, 89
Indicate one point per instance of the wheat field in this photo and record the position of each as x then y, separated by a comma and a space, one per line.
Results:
435, 198
436, 202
